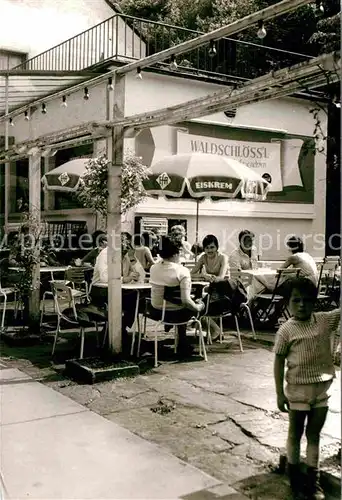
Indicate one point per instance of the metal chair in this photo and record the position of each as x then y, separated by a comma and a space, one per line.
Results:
5, 293
76, 276
268, 301
62, 294
229, 312
159, 335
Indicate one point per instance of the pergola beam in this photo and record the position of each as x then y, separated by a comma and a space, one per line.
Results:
281, 8
266, 14
278, 84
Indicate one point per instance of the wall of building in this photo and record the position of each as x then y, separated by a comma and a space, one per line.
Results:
34, 26
282, 116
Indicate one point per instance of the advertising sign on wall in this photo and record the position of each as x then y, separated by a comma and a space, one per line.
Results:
263, 157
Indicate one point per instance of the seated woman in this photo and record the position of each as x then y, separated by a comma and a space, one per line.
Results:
142, 252
169, 278
213, 267
178, 235
212, 264
299, 259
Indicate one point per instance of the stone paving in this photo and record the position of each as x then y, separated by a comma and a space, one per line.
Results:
219, 416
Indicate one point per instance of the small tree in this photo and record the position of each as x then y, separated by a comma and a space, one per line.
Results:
93, 191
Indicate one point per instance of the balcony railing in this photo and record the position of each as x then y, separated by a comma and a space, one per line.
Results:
125, 38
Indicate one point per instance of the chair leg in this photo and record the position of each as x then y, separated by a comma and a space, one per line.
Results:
156, 344
56, 335
140, 333
238, 333
246, 306
209, 340
176, 340
82, 343
201, 341
105, 335
221, 329
4, 312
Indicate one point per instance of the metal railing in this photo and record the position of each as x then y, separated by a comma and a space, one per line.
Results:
125, 38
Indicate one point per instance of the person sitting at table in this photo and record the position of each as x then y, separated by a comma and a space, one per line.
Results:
99, 243
178, 234
212, 264
142, 252
129, 273
244, 257
169, 278
299, 259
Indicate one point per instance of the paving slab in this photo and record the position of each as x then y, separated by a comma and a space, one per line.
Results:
66, 453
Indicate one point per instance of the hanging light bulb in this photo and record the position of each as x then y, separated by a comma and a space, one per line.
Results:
173, 63
261, 33
319, 6
138, 75
44, 110
110, 85
27, 118
64, 102
212, 49
86, 94
337, 102
10, 121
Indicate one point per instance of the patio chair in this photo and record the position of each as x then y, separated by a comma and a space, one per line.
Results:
328, 285
63, 294
5, 293
225, 309
270, 306
159, 334
76, 276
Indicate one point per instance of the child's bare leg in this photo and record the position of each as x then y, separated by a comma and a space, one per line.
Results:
296, 429
316, 420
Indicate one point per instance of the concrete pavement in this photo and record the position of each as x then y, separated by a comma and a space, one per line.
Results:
53, 447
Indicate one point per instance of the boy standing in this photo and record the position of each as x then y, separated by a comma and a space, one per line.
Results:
306, 342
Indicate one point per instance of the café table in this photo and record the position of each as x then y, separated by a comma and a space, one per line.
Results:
44, 269
138, 287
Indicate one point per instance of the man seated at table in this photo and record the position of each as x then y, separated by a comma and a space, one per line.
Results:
170, 280
244, 257
99, 243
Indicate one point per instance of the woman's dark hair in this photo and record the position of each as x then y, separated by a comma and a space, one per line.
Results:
127, 235
295, 244
98, 236
168, 248
244, 233
303, 285
197, 248
209, 239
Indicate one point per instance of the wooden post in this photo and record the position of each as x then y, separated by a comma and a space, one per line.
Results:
115, 145
34, 214
7, 165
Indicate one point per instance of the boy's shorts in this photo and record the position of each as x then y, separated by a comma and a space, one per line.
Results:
308, 396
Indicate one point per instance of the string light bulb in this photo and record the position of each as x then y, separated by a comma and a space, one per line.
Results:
27, 118
110, 85
212, 49
44, 110
64, 102
86, 94
261, 33
138, 75
173, 63
11, 122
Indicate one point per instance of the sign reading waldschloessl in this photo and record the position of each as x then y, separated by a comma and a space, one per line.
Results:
262, 157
